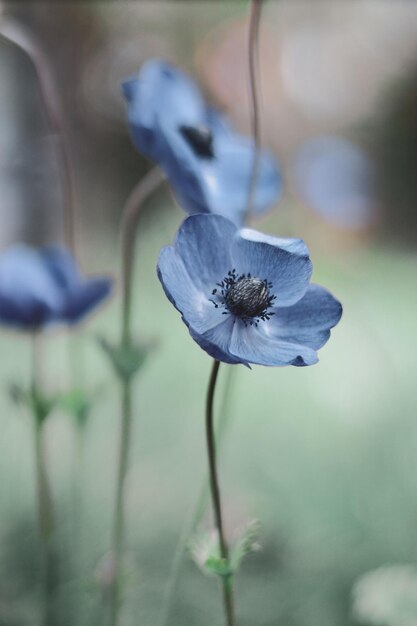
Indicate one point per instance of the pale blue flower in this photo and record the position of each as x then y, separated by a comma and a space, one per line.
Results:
43, 286
207, 163
245, 296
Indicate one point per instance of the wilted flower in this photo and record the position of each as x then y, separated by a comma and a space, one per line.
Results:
245, 296
208, 164
43, 286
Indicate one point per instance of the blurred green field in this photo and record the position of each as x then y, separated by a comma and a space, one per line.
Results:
324, 456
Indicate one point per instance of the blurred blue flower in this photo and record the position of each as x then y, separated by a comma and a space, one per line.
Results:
245, 296
208, 165
43, 286
337, 179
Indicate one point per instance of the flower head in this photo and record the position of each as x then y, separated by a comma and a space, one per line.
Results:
44, 286
245, 296
208, 165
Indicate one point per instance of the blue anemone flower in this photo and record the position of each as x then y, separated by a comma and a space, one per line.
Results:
208, 165
43, 286
245, 296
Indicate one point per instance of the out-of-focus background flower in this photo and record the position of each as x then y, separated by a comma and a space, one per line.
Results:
324, 456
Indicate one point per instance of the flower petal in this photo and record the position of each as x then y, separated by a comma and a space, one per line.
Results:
203, 243
256, 345
160, 91
309, 320
219, 184
193, 303
85, 297
60, 264
232, 170
29, 296
216, 342
284, 263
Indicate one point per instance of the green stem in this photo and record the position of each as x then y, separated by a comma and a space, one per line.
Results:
215, 495
45, 509
196, 511
253, 53
147, 185
119, 519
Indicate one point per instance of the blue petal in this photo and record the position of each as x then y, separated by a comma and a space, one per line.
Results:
161, 91
203, 242
218, 122
61, 265
232, 168
309, 320
256, 345
220, 184
285, 264
193, 303
29, 296
85, 297
296, 246
216, 342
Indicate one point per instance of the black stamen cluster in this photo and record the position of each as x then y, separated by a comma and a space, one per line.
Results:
200, 138
245, 297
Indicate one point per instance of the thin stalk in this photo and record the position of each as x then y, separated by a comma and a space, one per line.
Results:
146, 186
45, 508
130, 216
253, 62
197, 510
215, 496
119, 520
23, 39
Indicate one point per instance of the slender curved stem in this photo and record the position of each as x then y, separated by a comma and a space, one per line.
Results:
215, 495
130, 216
253, 59
197, 509
45, 508
23, 39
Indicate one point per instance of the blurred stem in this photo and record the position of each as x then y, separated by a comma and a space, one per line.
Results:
146, 186
215, 495
23, 39
253, 61
45, 509
197, 510
119, 520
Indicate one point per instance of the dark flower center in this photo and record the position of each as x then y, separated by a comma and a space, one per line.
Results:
200, 138
245, 297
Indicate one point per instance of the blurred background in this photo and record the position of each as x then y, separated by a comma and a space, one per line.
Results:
325, 456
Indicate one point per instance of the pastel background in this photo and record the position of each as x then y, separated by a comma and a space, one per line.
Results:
324, 456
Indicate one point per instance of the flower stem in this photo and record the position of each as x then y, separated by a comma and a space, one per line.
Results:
119, 519
146, 186
45, 509
23, 39
215, 495
132, 209
253, 54
196, 511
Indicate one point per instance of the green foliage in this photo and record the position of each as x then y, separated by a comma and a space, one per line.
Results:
126, 359
205, 550
77, 403
39, 404
246, 543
